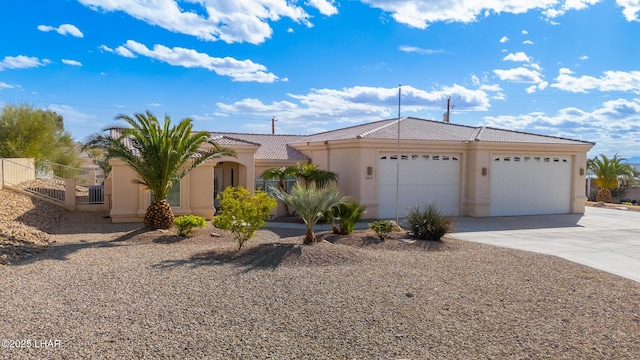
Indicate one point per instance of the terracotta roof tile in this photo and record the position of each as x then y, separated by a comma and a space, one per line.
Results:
429, 130
272, 147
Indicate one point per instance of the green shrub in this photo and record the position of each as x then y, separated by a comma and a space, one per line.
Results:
243, 213
382, 228
428, 223
348, 213
186, 223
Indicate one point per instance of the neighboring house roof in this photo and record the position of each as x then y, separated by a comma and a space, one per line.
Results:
429, 130
272, 147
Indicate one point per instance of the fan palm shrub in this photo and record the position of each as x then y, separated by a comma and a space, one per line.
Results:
161, 154
280, 174
311, 174
348, 213
608, 173
310, 203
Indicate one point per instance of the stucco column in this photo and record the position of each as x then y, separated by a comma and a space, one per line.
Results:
578, 180
70, 194
476, 193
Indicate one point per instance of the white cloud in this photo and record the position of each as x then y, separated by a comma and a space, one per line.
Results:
518, 57
420, 13
356, 104
614, 125
584, 57
229, 21
610, 81
120, 50
527, 42
325, 7
64, 29
504, 39
70, 114
524, 32
519, 75
4, 85
71, 62
123, 51
568, 5
631, 9
22, 62
417, 50
154, 104
290, 30
238, 70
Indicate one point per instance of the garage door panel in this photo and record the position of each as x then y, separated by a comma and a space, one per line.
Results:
530, 185
424, 178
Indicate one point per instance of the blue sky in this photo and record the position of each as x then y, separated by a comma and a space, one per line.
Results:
563, 68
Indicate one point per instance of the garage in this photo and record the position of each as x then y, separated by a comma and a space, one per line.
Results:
530, 185
424, 178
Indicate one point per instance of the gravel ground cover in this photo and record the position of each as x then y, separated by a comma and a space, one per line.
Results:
107, 291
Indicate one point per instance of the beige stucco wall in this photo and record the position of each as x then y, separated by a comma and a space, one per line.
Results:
351, 159
130, 199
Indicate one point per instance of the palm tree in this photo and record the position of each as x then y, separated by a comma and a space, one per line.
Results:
161, 154
310, 173
608, 174
281, 174
310, 202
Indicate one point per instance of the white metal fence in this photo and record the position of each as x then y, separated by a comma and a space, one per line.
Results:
62, 184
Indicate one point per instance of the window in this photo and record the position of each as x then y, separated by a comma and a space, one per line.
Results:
263, 185
173, 196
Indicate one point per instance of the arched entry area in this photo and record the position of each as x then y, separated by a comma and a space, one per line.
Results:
230, 173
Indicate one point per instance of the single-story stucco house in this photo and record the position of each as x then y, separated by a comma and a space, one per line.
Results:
465, 170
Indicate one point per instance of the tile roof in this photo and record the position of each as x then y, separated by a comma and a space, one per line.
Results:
272, 147
429, 130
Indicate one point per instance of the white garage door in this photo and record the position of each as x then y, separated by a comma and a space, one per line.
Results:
530, 185
424, 178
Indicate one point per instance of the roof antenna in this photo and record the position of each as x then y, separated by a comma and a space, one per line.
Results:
273, 125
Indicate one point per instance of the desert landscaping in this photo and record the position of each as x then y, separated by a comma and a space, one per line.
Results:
108, 290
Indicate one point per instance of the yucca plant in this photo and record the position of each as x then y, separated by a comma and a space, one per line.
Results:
428, 223
310, 203
161, 154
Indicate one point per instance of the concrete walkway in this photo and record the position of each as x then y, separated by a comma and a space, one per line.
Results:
605, 239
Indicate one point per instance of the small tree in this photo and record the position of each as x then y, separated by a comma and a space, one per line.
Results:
311, 203
101, 158
26, 131
243, 213
609, 172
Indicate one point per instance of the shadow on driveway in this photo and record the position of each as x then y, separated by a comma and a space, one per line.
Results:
471, 224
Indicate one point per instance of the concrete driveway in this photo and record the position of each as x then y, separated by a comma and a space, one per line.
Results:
605, 239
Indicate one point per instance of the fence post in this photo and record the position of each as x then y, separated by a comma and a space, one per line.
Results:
1, 173
70, 194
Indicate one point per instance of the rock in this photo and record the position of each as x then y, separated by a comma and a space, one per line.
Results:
24, 223
213, 234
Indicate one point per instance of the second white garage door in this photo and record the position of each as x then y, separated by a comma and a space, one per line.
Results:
424, 178
530, 185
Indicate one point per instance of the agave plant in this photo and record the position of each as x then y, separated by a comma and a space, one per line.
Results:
161, 154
